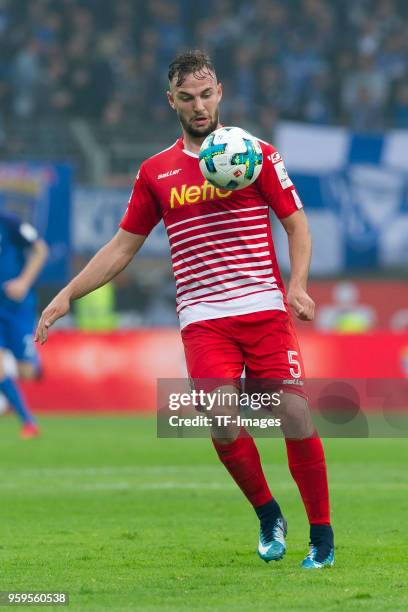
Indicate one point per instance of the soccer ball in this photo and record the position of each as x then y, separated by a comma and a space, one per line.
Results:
230, 158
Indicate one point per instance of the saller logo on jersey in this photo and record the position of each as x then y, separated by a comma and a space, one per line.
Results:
168, 173
196, 194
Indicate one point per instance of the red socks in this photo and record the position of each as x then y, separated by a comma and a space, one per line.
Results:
241, 458
306, 463
308, 468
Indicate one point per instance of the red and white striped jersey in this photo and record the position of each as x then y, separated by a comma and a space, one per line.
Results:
221, 243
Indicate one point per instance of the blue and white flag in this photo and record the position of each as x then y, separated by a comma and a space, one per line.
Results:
355, 191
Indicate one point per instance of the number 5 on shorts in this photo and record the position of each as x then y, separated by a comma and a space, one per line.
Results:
293, 360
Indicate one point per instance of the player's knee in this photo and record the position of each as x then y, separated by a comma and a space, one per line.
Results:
295, 415
225, 434
224, 423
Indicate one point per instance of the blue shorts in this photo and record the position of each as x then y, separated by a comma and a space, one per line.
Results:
17, 335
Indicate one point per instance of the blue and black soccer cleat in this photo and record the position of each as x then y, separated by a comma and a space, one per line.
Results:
321, 551
272, 546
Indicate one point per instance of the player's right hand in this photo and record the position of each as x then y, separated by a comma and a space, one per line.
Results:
54, 311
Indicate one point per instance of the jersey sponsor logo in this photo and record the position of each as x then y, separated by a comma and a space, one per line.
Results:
196, 194
283, 175
169, 173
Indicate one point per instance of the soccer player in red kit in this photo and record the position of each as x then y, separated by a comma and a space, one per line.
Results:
231, 302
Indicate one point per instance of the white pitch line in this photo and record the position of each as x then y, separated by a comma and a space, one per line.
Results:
131, 470
103, 486
119, 486
105, 471
57, 487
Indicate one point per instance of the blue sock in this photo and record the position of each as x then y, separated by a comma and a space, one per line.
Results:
9, 388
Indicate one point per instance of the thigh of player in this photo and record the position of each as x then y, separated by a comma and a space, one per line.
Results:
212, 352
273, 362
215, 363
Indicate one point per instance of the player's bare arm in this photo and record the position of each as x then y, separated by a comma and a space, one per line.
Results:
105, 265
17, 288
300, 251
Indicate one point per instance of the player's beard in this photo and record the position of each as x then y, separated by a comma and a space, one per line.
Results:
200, 132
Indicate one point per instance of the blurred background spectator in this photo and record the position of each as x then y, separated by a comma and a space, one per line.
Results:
84, 81
312, 60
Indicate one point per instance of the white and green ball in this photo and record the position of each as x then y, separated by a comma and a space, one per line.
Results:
230, 158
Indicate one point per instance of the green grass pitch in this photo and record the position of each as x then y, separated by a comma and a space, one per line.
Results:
102, 509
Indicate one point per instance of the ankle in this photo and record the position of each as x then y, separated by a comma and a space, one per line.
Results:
268, 512
321, 534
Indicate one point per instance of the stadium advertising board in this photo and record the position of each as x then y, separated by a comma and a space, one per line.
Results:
358, 306
118, 371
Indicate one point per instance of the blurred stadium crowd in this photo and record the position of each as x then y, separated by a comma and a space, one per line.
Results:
320, 61
84, 81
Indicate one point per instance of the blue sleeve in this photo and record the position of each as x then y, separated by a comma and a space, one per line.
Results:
21, 233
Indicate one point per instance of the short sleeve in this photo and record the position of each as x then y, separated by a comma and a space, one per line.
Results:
27, 233
143, 211
22, 233
275, 185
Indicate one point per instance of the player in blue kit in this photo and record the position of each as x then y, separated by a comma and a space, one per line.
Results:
22, 256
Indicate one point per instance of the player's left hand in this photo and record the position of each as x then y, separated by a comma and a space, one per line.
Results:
302, 303
16, 289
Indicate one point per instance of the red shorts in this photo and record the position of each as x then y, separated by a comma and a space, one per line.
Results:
265, 343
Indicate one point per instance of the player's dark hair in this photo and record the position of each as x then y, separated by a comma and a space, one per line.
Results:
190, 62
